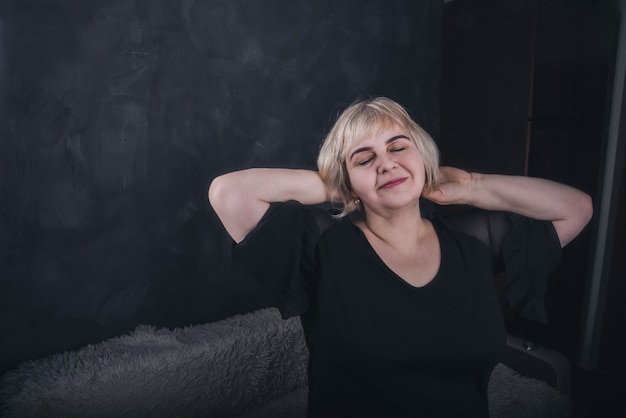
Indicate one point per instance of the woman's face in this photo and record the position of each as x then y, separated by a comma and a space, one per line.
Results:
386, 171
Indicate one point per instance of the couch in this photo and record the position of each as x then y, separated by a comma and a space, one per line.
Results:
251, 365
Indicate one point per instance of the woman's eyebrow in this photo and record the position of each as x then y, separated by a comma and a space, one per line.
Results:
387, 142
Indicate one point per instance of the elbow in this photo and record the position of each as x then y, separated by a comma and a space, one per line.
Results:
213, 191
583, 213
587, 208
580, 214
217, 193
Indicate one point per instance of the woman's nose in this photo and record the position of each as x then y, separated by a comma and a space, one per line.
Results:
385, 163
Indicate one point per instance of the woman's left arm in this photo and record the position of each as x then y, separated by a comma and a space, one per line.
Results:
568, 208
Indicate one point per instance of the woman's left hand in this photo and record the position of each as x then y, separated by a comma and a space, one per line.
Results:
569, 209
454, 187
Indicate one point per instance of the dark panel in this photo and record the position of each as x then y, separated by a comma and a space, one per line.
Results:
574, 65
613, 339
565, 153
486, 84
526, 89
115, 116
575, 50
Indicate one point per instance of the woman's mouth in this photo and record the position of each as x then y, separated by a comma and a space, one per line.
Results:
393, 183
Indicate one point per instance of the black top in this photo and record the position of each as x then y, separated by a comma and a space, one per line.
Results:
380, 346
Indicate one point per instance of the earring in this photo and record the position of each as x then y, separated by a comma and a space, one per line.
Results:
357, 201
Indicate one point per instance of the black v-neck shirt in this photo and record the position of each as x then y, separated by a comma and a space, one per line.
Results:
380, 346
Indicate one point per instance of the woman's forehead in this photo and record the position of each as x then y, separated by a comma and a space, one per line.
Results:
369, 132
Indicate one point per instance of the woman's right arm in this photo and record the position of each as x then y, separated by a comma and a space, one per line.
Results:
241, 198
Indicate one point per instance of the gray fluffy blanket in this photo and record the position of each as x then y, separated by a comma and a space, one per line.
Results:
251, 365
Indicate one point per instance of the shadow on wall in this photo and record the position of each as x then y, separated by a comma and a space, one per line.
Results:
116, 116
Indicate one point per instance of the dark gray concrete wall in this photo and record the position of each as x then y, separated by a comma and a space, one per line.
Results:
114, 117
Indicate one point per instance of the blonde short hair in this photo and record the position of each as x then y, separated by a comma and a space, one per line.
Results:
361, 120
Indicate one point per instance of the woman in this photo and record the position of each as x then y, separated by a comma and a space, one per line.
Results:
399, 311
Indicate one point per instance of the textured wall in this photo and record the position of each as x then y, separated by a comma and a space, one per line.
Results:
114, 117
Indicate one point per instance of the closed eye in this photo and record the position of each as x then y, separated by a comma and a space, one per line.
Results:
365, 161
398, 149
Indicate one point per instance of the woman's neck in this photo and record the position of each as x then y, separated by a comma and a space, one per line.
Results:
400, 229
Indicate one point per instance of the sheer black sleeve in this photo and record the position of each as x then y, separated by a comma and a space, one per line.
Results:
278, 254
527, 249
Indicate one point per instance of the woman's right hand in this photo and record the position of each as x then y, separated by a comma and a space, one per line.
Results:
241, 198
